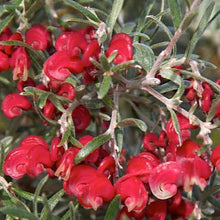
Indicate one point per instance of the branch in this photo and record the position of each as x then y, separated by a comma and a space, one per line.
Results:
150, 77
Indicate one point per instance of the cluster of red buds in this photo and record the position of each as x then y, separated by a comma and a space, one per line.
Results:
154, 180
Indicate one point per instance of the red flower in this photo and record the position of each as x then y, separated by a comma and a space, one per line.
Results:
4, 36
38, 37
81, 118
9, 49
164, 179
13, 104
67, 90
22, 84
157, 210
49, 110
56, 152
91, 189
4, 62
185, 127
123, 44
206, 97
31, 157
215, 157
133, 193
107, 166
141, 165
20, 63
59, 66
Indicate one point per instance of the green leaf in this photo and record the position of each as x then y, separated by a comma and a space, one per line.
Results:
175, 12
113, 16
104, 62
18, 212
214, 106
37, 193
169, 74
26, 195
144, 56
65, 137
176, 125
46, 213
66, 215
119, 138
91, 146
122, 66
161, 44
133, 122
128, 27
113, 209
142, 35
189, 20
87, 13
75, 142
82, 21
43, 99
105, 86
93, 103
199, 30
6, 21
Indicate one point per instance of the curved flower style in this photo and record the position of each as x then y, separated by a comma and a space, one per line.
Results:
49, 110
59, 66
22, 84
123, 44
13, 104
56, 152
67, 90
38, 37
92, 190
27, 158
81, 118
215, 157
107, 166
150, 142
72, 42
136, 197
184, 125
206, 97
157, 210
141, 165
20, 63
66, 163
164, 179
4, 62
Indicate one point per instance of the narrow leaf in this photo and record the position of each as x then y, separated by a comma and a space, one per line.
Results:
17, 212
105, 86
82, 21
214, 106
66, 215
175, 12
112, 18
176, 125
46, 213
144, 56
37, 193
43, 99
75, 142
86, 12
104, 62
6, 21
113, 208
91, 146
122, 66
65, 137
133, 122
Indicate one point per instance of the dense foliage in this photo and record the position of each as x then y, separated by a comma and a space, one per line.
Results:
107, 110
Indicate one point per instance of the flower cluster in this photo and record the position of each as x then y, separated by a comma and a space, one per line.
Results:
154, 181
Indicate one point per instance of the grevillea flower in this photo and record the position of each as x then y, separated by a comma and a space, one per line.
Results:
56, 152
185, 127
49, 110
91, 189
141, 165
89, 75
215, 157
13, 104
123, 44
164, 179
31, 157
20, 63
92, 51
4, 62
150, 142
67, 90
59, 66
4, 36
217, 113
22, 84
107, 166
206, 97
157, 210
9, 49
66, 163
81, 118
133, 193
72, 42
38, 37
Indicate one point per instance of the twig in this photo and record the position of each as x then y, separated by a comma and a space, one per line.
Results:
150, 77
